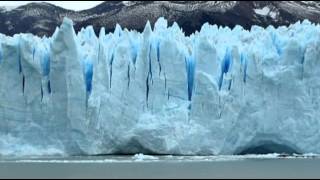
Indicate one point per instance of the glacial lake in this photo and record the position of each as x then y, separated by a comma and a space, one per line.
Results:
141, 166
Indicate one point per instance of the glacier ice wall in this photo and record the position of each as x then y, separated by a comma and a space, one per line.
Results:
218, 91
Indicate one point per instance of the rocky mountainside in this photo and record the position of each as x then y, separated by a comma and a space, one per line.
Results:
42, 18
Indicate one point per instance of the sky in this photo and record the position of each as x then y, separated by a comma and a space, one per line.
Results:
73, 5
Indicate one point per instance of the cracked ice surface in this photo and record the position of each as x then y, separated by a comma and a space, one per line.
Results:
218, 91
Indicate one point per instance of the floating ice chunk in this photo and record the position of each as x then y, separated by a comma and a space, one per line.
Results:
142, 157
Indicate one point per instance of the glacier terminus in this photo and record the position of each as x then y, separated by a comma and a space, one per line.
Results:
219, 91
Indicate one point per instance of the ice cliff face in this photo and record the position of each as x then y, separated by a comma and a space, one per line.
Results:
218, 91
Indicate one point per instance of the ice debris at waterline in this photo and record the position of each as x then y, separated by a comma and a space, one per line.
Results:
218, 91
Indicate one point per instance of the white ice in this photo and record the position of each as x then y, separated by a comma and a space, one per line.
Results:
220, 91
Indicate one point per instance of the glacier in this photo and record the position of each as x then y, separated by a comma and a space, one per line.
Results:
219, 91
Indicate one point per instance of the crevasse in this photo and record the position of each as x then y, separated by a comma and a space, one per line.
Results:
217, 91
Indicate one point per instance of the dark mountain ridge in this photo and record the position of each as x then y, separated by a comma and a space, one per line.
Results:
42, 18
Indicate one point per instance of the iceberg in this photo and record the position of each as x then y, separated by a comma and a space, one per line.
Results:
219, 91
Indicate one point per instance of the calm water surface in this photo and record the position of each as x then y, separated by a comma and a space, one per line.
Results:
161, 167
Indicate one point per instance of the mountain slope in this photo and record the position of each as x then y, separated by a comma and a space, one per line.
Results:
42, 18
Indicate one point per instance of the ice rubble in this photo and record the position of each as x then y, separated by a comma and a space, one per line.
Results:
218, 91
